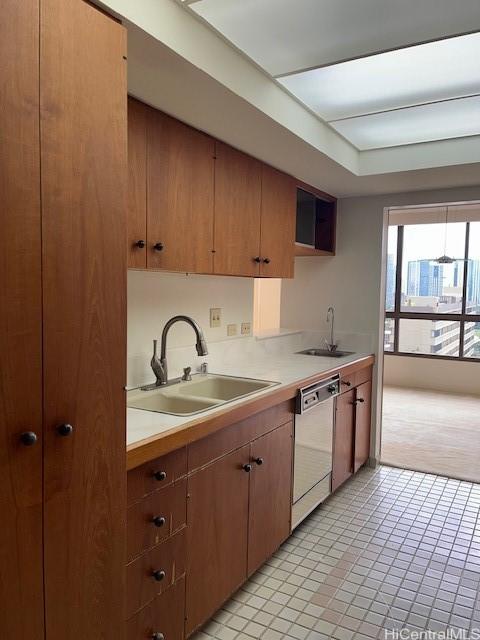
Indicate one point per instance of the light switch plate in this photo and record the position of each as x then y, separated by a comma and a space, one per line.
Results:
231, 329
246, 328
215, 318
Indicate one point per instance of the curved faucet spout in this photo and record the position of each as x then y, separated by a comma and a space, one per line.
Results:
161, 369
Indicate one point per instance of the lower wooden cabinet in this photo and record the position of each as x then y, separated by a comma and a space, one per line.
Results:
351, 446
217, 535
343, 440
238, 514
163, 618
269, 521
363, 417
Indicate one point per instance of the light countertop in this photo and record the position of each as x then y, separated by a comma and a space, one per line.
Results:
287, 370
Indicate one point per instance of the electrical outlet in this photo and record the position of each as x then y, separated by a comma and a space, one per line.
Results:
231, 329
245, 328
215, 318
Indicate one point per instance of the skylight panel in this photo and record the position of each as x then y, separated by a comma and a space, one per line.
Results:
412, 76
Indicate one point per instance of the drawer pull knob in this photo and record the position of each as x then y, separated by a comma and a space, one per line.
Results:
160, 475
257, 259
361, 400
140, 244
158, 636
247, 467
346, 383
159, 521
28, 438
158, 246
266, 260
159, 575
259, 461
64, 430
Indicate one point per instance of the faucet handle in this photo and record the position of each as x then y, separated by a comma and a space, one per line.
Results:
203, 368
187, 374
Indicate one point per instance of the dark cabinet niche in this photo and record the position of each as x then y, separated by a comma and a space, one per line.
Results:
315, 225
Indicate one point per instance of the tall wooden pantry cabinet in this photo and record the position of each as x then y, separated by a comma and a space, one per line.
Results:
63, 178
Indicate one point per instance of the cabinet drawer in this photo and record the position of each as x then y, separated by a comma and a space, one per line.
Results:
165, 615
354, 379
347, 382
238, 434
156, 474
155, 518
152, 573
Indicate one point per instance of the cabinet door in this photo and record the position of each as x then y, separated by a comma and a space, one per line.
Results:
270, 494
83, 114
279, 202
217, 531
180, 183
343, 439
237, 212
363, 418
21, 570
137, 184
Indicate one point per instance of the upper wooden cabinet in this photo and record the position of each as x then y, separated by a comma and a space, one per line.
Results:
180, 188
238, 197
277, 239
137, 184
199, 205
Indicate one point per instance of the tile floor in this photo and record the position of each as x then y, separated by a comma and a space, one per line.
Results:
392, 549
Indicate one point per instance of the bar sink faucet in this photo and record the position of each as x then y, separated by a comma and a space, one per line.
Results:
332, 345
159, 365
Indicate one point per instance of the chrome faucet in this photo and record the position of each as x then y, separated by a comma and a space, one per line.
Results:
159, 365
332, 345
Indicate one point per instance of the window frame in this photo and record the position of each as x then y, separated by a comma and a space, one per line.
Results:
463, 318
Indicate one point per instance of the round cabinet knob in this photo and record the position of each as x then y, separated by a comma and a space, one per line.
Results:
160, 475
159, 575
266, 260
140, 244
361, 400
159, 521
64, 429
257, 259
158, 636
247, 467
28, 438
158, 246
346, 383
259, 461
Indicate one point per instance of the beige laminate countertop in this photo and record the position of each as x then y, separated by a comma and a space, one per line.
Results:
151, 434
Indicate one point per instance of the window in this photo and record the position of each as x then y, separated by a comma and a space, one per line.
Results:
432, 308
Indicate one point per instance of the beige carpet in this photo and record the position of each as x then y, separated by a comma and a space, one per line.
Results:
432, 432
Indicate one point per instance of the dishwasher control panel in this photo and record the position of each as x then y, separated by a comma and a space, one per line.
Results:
311, 396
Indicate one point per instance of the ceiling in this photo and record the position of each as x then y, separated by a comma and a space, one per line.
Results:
181, 64
406, 94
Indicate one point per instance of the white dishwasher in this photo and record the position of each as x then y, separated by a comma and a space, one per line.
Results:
314, 424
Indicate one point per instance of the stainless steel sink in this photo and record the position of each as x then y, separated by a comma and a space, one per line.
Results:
325, 353
201, 393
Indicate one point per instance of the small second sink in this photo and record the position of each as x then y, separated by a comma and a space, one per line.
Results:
325, 353
222, 387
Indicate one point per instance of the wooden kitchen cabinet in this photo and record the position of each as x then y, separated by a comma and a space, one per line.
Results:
217, 535
238, 196
62, 295
270, 503
343, 445
180, 195
363, 417
278, 219
21, 552
351, 447
137, 184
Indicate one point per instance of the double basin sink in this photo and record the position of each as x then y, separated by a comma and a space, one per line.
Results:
203, 392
